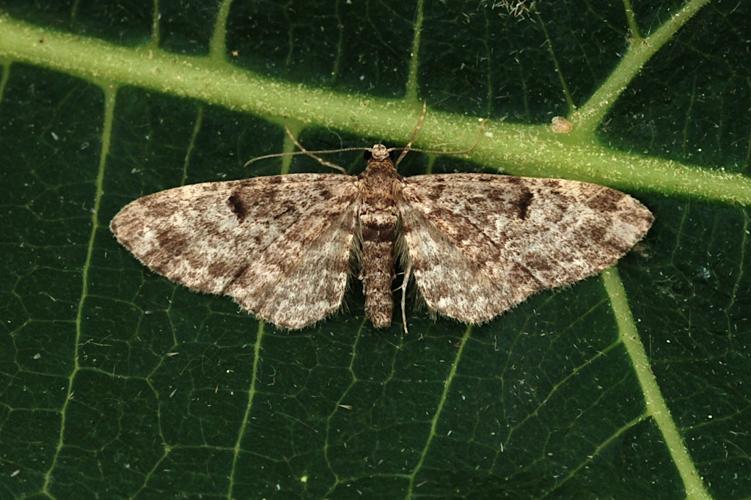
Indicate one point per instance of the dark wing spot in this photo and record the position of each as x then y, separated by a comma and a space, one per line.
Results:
290, 208
606, 201
217, 269
596, 233
519, 273
156, 206
538, 262
523, 203
436, 191
172, 241
496, 195
235, 203
621, 246
235, 276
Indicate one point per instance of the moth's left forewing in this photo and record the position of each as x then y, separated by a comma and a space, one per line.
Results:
521, 234
280, 245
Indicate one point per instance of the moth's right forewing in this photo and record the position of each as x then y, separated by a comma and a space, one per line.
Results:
513, 235
249, 239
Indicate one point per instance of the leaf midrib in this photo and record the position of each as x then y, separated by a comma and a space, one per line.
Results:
531, 150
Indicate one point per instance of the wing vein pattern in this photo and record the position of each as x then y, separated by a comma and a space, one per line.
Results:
480, 244
236, 238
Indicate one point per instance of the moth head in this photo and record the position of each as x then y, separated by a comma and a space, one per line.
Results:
378, 152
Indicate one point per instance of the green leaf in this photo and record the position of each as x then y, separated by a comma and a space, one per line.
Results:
117, 383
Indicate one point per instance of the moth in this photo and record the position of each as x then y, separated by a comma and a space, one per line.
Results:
283, 247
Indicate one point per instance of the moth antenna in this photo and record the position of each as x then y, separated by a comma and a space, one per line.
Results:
418, 127
480, 135
312, 154
298, 153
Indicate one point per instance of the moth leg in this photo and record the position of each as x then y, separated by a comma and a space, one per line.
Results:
308, 153
418, 127
405, 282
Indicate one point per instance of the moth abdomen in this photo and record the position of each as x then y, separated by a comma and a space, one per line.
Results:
379, 233
378, 236
377, 276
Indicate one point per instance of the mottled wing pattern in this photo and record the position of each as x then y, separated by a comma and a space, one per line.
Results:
480, 244
278, 245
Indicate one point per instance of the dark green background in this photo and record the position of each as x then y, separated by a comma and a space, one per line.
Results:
164, 374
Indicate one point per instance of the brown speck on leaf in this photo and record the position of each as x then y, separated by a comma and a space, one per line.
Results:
561, 125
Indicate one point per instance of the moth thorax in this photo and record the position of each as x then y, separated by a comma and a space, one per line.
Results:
379, 152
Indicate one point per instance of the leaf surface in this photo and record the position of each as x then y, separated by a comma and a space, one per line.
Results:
116, 383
